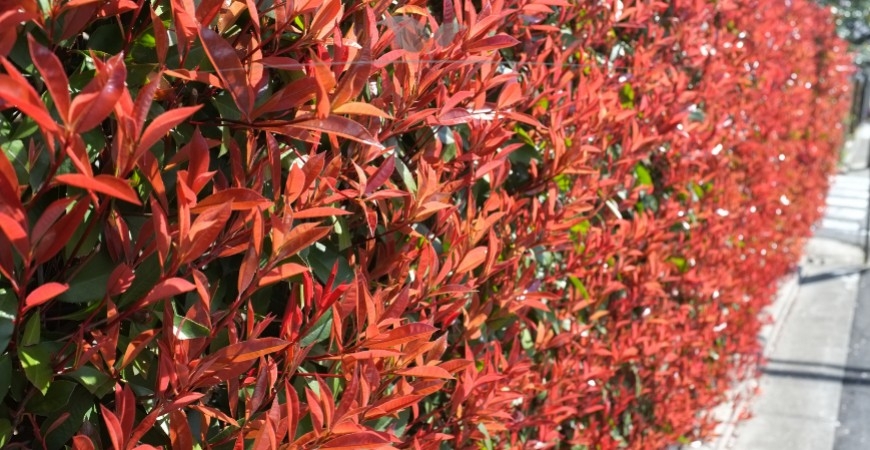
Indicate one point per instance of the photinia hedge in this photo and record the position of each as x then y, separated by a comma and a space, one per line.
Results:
414, 224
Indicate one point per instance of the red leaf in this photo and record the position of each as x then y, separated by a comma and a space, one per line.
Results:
162, 236
204, 232
392, 405
183, 401
60, 233
180, 436
452, 116
323, 211
125, 402
300, 237
401, 335
161, 40
427, 387
208, 9
185, 23
136, 346
295, 184
381, 175
53, 74
455, 365
510, 95
362, 109
248, 269
225, 60
49, 216
471, 260
240, 199
363, 439
14, 94
354, 79
120, 280
113, 425
81, 442
197, 75
98, 98
233, 360
282, 272
162, 124
144, 98
10, 225
43, 294
426, 372
339, 126
169, 287
104, 184
249, 350
265, 438
325, 18
8, 178
492, 43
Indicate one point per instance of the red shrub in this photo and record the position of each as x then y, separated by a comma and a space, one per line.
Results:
524, 224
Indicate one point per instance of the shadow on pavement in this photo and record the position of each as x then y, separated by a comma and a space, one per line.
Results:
836, 273
817, 371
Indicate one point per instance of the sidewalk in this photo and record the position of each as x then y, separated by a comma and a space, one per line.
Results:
814, 390
798, 405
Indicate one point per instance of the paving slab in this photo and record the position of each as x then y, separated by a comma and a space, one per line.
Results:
798, 404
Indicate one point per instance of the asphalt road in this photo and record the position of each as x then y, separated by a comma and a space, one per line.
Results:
853, 432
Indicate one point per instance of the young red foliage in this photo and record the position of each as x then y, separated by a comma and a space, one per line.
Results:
551, 224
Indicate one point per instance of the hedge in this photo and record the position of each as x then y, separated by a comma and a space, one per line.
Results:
444, 224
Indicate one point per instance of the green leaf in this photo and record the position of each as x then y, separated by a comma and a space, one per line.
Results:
487, 440
679, 262
17, 155
96, 382
526, 339
79, 406
26, 128
322, 258
31, 331
107, 38
319, 331
342, 230
89, 284
579, 286
38, 170
36, 362
56, 399
563, 182
698, 192
407, 176
226, 106
8, 310
188, 329
642, 175
448, 149
524, 155
5, 376
627, 96
697, 115
5, 431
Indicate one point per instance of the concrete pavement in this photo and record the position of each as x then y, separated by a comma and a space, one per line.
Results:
814, 389
798, 405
